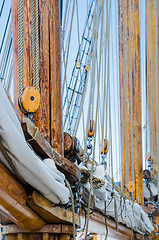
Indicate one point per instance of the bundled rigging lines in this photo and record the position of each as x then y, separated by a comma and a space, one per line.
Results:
6, 55
79, 104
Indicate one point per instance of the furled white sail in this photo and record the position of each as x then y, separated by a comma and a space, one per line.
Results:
127, 212
42, 175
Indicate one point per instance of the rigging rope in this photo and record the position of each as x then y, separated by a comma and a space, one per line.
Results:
33, 38
5, 31
98, 87
35, 42
84, 93
36, 83
2, 6
68, 48
20, 47
73, 209
35, 45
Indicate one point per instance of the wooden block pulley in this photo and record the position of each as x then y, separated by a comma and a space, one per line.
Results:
78, 64
131, 187
86, 68
146, 174
91, 128
29, 102
104, 146
149, 158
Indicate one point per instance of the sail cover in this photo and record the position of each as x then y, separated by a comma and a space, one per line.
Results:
42, 175
108, 200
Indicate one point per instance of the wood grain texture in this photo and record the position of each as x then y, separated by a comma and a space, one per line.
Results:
152, 75
129, 65
42, 117
13, 202
55, 77
49, 212
44, 150
48, 228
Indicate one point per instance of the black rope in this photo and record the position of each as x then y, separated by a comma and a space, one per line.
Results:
6, 57
5, 30
2, 8
106, 226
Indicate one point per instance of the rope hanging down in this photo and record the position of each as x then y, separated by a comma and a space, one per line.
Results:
29, 97
20, 47
35, 44
91, 176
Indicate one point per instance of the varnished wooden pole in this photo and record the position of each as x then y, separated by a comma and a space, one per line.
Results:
49, 116
130, 96
55, 77
151, 76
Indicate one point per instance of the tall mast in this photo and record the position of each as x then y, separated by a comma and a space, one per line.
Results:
130, 96
152, 76
48, 118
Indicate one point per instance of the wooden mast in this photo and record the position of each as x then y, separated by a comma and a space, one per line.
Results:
130, 96
151, 24
49, 116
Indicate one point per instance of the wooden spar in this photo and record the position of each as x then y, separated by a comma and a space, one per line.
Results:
42, 117
55, 78
49, 116
129, 39
151, 76
13, 203
44, 150
28, 69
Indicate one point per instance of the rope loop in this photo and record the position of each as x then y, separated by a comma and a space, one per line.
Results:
97, 183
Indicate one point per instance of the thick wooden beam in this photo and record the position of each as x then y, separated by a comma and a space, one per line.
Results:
55, 77
49, 212
44, 149
42, 117
13, 202
130, 96
50, 228
4, 219
49, 115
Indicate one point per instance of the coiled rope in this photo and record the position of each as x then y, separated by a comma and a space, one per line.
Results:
97, 182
